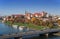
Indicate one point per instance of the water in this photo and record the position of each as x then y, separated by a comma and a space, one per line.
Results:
44, 37
5, 29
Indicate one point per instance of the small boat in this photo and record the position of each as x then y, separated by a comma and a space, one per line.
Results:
15, 26
22, 28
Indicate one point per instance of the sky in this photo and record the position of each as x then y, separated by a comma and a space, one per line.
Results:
9, 7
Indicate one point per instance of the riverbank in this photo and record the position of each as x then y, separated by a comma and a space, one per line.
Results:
57, 34
0, 20
44, 37
30, 25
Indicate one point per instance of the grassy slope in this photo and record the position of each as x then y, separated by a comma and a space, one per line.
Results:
30, 25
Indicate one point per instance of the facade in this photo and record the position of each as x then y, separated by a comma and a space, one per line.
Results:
37, 15
17, 15
28, 15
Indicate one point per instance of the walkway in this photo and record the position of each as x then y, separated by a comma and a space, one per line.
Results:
21, 34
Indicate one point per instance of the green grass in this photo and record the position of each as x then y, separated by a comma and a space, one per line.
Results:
30, 25
35, 26
7, 22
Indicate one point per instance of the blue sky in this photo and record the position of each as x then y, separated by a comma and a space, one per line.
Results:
8, 7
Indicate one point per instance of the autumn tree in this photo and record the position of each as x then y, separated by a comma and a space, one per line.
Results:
50, 25
33, 19
58, 21
27, 21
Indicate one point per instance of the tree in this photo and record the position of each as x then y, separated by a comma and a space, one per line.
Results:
50, 25
27, 21
58, 21
40, 22
33, 19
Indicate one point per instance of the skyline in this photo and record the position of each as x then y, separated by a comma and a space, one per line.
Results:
8, 7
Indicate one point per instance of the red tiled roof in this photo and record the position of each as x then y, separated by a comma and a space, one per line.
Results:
37, 14
17, 14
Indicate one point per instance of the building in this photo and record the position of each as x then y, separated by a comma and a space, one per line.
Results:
37, 15
17, 16
28, 15
40, 14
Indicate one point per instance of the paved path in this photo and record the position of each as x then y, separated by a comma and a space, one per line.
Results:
21, 34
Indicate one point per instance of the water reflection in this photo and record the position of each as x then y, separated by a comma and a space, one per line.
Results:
44, 37
6, 29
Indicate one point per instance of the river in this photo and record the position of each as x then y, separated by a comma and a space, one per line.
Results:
5, 29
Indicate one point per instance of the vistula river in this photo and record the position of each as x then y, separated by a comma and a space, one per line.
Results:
5, 29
